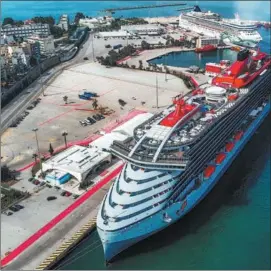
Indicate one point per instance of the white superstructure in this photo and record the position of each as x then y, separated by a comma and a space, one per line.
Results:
209, 23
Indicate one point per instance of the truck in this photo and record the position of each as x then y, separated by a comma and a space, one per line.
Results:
87, 95
117, 46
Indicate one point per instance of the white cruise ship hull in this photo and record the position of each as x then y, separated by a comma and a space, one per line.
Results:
117, 241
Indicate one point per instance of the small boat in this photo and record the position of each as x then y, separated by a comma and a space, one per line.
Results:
206, 48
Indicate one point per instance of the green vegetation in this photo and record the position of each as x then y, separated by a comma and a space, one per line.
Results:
78, 16
44, 20
56, 31
11, 196
6, 174
85, 184
113, 56
9, 20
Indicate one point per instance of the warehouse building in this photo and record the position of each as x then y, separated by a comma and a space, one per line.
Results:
77, 162
114, 34
144, 29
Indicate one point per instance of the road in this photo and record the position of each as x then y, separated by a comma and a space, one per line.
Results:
11, 111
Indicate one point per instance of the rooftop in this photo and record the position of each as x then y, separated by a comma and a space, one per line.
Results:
77, 160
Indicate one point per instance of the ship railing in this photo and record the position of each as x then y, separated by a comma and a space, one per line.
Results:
186, 181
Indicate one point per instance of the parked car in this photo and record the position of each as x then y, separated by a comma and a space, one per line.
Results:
30, 107
51, 198
13, 209
67, 194
8, 213
18, 206
83, 123
63, 193
48, 185
108, 46
91, 120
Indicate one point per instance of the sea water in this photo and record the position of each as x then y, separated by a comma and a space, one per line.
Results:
230, 229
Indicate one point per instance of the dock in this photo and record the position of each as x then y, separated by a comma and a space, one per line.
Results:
66, 247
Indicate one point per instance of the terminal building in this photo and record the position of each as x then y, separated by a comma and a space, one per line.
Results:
144, 29
25, 30
114, 34
77, 162
204, 40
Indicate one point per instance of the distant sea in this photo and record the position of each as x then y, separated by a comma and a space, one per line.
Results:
230, 229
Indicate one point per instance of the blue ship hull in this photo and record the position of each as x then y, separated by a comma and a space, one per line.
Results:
115, 242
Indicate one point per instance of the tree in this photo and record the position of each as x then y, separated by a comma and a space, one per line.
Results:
35, 157
56, 31
8, 20
78, 16
65, 99
33, 61
19, 23
145, 45
140, 64
44, 20
51, 150
95, 104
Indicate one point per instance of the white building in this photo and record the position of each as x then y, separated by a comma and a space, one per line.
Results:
93, 23
64, 22
78, 161
204, 40
114, 34
144, 29
120, 133
25, 30
47, 45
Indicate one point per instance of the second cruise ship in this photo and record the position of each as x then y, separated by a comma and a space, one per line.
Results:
177, 156
231, 31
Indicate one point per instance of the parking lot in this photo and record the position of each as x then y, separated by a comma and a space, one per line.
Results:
52, 116
37, 211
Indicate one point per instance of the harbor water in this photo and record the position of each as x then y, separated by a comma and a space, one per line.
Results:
230, 228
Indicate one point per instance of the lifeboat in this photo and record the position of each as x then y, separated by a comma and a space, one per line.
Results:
233, 97
220, 158
238, 135
208, 172
229, 146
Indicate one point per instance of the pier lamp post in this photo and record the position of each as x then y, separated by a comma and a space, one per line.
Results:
92, 45
41, 81
38, 149
64, 134
156, 90
165, 64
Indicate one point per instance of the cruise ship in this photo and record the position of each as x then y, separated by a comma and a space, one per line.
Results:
176, 157
231, 31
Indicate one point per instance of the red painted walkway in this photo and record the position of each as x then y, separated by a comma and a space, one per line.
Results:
32, 239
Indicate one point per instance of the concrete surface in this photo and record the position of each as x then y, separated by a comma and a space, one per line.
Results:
51, 116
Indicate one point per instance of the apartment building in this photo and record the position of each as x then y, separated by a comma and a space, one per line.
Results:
25, 30
47, 45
